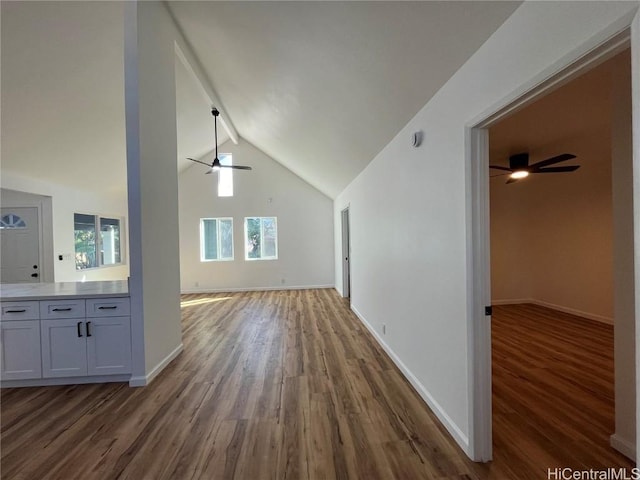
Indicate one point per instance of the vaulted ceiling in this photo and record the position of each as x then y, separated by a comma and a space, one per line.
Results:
321, 87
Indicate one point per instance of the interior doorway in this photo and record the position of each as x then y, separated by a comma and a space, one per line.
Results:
479, 327
552, 272
346, 255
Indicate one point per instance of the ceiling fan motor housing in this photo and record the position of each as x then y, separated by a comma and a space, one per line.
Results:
519, 161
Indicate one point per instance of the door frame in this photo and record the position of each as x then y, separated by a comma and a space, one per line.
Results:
603, 46
346, 252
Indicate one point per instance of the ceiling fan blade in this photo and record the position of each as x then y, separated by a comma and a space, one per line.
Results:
237, 167
498, 175
513, 180
553, 160
198, 161
500, 168
568, 168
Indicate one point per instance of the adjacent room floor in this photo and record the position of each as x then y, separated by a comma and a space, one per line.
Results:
289, 385
553, 391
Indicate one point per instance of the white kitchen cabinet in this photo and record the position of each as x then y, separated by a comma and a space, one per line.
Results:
64, 338
20, 350
108, 345
82, 346
64, 348
20, 341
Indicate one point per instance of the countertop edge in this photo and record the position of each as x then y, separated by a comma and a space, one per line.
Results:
22, 292
35, 298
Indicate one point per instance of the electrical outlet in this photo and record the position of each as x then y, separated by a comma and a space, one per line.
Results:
196, 284
282, 281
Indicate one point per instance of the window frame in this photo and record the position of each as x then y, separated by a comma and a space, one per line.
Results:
98, 240
245, 239
218, 241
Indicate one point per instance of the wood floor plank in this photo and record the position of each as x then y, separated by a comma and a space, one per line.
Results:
290, 385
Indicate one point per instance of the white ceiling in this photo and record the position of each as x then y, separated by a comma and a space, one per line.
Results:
321, 87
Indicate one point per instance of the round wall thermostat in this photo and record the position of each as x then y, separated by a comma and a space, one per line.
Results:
416, 138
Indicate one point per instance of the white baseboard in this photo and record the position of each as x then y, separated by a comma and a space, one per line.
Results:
143, 381
624, 446
252, 289
560, 308
455, 431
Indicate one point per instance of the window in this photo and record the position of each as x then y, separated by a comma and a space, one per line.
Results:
109, 241
97, 241
12, 220
216, 239
261, 238
225, 176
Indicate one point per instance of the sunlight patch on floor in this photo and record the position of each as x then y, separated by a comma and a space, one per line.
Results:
201, 301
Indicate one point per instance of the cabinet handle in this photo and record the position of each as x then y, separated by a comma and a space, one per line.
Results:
108, 308
79, 327
16, 311
88, 329
68, 309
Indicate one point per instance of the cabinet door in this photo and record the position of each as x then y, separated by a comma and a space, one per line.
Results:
64, 348
109, 345
20, 350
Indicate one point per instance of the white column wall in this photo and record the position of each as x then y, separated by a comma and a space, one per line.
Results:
150, 102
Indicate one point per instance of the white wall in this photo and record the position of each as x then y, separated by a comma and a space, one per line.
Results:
408, 208
305, 226
150, 105
65, 202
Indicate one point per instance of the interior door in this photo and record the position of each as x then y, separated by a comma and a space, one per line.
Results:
346, 255
20, 245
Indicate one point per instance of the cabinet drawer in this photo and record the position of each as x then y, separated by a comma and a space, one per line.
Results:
108, 307
71, 308
20, 311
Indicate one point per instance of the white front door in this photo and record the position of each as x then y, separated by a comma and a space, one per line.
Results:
19, 245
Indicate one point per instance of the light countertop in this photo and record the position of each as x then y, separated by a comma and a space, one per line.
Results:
61, 290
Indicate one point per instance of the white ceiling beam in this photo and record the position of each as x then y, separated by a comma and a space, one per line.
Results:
192, 64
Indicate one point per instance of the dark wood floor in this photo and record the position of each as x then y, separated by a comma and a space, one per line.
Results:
289, 385
553, 392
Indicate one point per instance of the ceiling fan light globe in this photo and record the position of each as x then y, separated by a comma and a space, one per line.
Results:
518, 174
